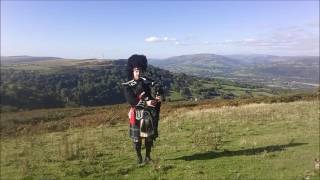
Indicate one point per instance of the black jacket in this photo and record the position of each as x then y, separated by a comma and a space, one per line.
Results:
133, 88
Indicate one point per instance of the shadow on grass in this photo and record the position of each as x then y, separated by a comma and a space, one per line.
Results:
242, 152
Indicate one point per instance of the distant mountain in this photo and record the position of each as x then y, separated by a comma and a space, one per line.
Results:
253, 58
199, 60
203, 65
262, 58
295, 72
25, 59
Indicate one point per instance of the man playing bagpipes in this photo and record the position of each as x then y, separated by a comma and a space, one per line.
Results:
144, 111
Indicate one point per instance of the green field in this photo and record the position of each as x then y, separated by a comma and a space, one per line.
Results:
253, 141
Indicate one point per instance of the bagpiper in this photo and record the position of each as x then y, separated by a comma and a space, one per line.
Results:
144, 108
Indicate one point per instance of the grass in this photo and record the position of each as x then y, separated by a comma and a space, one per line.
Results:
253, 141
175, 96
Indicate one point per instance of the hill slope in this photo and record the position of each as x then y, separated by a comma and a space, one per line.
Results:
245, 142
25, 59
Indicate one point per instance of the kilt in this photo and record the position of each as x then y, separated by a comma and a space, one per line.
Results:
134, 129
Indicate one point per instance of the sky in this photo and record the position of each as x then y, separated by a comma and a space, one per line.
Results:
158, 29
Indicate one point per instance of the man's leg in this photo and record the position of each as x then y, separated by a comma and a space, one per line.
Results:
148, 144
156, 122
137, 147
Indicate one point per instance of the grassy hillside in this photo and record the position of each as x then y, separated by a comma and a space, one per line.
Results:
197, 141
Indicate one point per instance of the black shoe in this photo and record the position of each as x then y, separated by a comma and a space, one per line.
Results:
147, 160
139, 160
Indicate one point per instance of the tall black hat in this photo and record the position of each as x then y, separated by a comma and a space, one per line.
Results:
139, 61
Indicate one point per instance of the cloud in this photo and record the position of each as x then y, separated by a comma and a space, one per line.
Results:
247, 42
153, 39
181, 42
291, 39
314, 24
206, 42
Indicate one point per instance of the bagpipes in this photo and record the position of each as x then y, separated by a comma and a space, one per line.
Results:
158, 87
146, 115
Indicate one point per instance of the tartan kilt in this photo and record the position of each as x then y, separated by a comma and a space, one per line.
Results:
134, 130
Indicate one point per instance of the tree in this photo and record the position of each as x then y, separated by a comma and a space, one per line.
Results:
185, 92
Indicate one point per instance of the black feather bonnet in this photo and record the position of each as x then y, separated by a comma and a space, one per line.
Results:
139, 61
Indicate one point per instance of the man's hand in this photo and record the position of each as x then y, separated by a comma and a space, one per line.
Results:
141, 95
158, 98
151, 103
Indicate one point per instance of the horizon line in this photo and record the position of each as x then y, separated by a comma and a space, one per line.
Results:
248, 54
